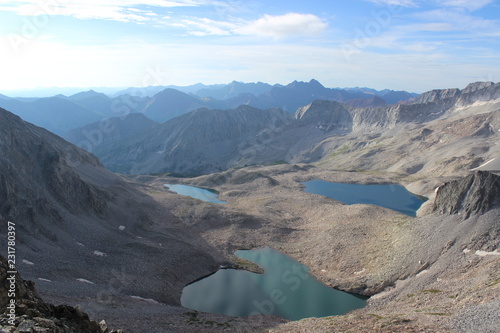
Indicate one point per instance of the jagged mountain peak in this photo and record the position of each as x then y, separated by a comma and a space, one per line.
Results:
469, 91
475, 86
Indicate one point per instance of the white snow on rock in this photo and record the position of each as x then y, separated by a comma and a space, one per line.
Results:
99, 253
85, 281
148, 300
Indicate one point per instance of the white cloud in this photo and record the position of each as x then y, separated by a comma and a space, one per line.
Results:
468, 4
53, 64
288, 25
206, 27
116, 10
457, 20
435, 27
402, 3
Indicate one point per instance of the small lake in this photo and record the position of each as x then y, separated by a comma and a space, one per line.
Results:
285, 290
195, 192
392, 196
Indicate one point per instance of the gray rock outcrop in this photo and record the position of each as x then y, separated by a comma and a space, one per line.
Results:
474, 194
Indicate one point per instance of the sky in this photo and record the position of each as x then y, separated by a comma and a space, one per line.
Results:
413, 45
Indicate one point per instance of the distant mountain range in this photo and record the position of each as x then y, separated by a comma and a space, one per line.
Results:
61, 113
207, 141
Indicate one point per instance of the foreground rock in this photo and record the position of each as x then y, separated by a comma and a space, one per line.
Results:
30, 313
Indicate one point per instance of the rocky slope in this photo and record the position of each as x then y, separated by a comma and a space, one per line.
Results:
109, 131
31, 314
424, 273
199, 142
84, 233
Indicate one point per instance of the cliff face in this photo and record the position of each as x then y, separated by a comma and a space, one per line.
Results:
436, 95
472, 195
476, 91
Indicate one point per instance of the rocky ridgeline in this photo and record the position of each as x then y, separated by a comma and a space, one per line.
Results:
475, 194
473, 92
31, 314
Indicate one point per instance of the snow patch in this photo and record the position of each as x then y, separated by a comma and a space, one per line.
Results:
422, 272
466, 251
27, 262
121, 228
484, 253
80, 244
359, 272
42, 279
99, 253
148, 300
84, 281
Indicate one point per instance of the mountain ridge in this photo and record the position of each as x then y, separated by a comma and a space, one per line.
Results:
295, 140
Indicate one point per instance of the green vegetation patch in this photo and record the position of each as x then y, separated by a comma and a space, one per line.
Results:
431, 291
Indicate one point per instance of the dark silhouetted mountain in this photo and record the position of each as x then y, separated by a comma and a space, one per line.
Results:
170, 103
234, 89
109, 130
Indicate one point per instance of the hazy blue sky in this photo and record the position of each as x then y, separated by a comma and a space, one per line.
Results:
416, 45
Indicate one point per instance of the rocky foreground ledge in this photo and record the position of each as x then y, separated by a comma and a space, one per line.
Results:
27, 312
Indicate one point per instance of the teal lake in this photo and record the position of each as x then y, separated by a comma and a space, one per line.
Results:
285, 289
393, 196
195, 192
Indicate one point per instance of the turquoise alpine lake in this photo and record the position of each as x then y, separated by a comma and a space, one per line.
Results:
286, 290
392, 196
195, 192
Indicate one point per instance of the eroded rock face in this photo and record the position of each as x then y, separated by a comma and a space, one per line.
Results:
474, 194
